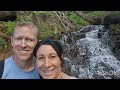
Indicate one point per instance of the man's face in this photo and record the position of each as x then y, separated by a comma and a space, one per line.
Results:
23, 42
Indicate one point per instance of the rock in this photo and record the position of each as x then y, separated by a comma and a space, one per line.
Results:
96, 21
2, 27
8, 15
114, 41
111, 19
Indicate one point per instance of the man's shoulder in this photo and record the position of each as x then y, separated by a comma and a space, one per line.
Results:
2, 62
8, 59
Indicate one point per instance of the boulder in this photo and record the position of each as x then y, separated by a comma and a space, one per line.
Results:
111, 19
8, 15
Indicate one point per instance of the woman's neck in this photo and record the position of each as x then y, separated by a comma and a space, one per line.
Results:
60, 75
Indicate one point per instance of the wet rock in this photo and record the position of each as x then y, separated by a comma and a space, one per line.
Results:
8, 15
111, 19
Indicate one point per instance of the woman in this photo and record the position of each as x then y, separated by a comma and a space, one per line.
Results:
49, 55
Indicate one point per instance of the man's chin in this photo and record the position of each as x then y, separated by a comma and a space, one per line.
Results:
24, 58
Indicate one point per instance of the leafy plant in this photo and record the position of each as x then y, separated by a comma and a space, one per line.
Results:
3, 44
77, 19
9, 27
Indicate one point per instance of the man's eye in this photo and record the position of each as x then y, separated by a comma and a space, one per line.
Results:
40, 58
29, 39
18, 39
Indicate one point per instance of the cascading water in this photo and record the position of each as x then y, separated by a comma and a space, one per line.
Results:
94, 59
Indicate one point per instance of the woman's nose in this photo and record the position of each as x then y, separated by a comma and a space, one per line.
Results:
46, 63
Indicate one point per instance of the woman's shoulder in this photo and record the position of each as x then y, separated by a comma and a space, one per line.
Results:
65, 76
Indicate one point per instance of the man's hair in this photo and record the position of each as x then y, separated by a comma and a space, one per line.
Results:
29, 25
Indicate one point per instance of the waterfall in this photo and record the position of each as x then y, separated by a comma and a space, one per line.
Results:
94, 59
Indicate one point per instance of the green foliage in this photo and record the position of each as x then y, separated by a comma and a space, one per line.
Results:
52, 24
97, 13
3, 44
46, 28
9, 27
77, 19
46, 34
44, 12
116, 12
28, 15
24, 16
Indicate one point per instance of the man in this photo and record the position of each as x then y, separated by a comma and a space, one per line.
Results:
21, 65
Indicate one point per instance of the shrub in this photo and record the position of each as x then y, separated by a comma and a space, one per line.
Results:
3, 44
9, 27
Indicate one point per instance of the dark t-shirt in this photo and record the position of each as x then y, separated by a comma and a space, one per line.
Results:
1, 68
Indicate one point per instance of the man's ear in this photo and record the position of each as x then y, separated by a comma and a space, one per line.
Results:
12, 41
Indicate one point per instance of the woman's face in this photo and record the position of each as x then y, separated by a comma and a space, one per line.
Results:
48, 62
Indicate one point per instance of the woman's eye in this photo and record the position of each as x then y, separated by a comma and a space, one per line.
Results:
52, 56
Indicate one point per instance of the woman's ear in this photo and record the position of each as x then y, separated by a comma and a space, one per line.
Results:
62, 56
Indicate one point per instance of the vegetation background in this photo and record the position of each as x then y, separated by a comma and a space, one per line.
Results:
50, 23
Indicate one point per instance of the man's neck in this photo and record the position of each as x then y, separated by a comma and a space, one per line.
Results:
26, 65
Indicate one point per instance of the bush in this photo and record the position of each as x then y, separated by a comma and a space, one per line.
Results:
3, 44
77, 19
9, 27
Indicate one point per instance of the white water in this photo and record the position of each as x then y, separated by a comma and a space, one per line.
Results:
102, 63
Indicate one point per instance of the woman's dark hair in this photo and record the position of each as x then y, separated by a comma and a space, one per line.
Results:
51, 42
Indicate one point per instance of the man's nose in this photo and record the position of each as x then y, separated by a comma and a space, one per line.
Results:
23, 43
